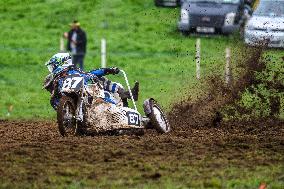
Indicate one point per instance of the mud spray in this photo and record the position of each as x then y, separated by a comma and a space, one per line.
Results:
208, 110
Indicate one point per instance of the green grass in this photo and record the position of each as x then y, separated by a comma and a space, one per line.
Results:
265, 97
142, 40
192, 176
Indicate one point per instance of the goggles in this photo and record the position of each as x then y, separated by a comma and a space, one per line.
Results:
50, 67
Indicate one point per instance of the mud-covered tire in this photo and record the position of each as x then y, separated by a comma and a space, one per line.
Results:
66, 121
158, 118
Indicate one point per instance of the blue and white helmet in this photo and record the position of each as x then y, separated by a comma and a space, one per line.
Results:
58, 62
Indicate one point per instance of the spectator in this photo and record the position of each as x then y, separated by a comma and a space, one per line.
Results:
77, 42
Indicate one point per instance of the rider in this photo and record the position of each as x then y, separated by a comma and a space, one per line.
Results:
60, 65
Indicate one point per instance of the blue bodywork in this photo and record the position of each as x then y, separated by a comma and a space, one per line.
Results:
98, 73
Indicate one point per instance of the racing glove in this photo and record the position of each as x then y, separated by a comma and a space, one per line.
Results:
113, 70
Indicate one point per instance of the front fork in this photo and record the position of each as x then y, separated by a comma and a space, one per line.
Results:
83, 99
79, 109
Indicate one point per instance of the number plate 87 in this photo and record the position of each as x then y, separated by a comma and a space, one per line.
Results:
72, 83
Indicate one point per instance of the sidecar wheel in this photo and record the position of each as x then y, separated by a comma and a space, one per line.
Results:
158, 118
66, 117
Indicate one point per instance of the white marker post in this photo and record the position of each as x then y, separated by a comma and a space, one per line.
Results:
61, 45
228, 75
103, 53
197, 57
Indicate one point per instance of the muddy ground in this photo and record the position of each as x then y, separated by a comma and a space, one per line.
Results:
33, 154
201, 151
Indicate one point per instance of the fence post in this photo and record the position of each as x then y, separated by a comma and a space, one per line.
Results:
197, 57
228, 74
103, 53
61, 45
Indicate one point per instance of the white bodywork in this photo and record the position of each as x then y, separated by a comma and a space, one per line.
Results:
101, 115
266, 30
267, 27
106, 116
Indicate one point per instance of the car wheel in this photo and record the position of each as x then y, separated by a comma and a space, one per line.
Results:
158, 3
185, 33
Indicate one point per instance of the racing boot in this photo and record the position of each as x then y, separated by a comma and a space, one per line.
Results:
124, 95
135, 91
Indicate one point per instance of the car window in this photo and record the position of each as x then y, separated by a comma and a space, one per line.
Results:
270, 8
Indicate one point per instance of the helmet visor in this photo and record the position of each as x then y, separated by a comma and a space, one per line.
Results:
50, 67
67, 63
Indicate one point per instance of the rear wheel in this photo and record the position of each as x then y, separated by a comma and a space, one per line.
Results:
158, 118
67, 124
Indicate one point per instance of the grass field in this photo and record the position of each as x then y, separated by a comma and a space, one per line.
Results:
141, 39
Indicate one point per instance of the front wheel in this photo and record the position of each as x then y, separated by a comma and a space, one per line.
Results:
67, 123
158, 118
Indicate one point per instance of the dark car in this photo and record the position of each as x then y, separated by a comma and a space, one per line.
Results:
211, 16
168, 3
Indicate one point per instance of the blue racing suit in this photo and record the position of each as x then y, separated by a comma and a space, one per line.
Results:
94, 74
